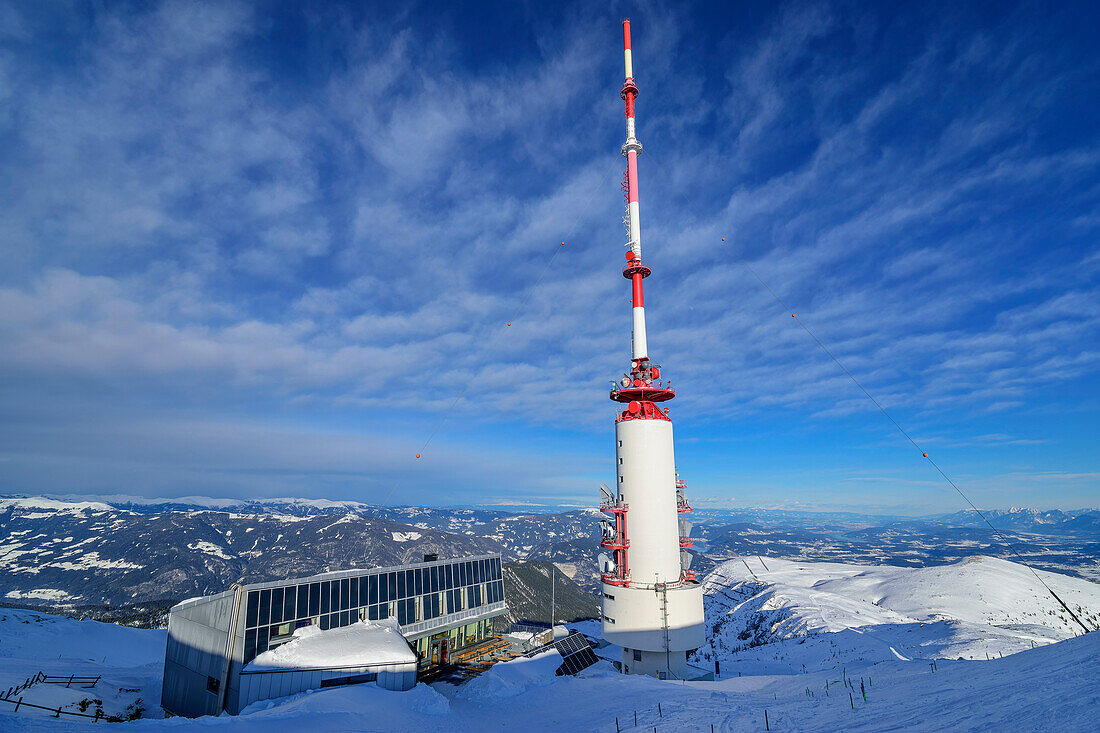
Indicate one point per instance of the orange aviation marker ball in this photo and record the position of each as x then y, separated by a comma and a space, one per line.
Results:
417, 455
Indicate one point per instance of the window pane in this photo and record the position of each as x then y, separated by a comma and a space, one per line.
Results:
391, 586
289, 604
302, 610
276, 605
314, 599
418, 581
325, 597
345, 594
334, 596
372, 589
249, 645
261, 640
253, 610
324, 622
265, 607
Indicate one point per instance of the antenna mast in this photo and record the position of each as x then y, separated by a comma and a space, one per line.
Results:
651, 603
631, 149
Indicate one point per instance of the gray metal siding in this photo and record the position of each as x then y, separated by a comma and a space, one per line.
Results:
197, 635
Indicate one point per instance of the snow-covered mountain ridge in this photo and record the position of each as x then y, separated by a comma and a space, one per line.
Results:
967, 609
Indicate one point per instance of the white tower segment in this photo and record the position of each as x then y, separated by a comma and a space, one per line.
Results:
652, 605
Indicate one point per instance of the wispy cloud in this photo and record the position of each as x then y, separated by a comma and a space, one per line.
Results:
202, 216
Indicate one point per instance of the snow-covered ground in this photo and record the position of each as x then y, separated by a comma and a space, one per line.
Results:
131, 662
838, 633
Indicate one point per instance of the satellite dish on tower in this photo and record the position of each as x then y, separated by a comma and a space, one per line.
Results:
606, 496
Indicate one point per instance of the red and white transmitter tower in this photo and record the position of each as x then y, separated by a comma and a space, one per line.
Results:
652, 604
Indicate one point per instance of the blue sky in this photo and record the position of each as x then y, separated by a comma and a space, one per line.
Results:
257, 250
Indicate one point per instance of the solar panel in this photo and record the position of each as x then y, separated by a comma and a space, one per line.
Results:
576, 653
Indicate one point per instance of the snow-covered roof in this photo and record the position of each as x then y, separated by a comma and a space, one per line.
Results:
359, 645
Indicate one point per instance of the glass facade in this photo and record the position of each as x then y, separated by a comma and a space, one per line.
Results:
411, 594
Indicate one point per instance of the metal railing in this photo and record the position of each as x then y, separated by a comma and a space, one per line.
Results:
470, 614
86, 681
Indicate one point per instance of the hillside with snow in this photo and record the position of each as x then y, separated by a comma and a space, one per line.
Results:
760, 609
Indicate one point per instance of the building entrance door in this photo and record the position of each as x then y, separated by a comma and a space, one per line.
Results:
439, 652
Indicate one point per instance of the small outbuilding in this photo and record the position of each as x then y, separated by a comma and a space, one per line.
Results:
367, 651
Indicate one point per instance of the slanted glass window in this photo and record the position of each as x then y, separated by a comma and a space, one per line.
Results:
289, 604
372, 589
391, 585
334, 596
253, 610
345, 594
303, 602
265, 609
354, 600
276, 605
418, 581
314, 599
261, 640
249, 645
325, 597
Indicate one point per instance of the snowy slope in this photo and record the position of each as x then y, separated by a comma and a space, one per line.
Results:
977, 607
131, 662
1051, 687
